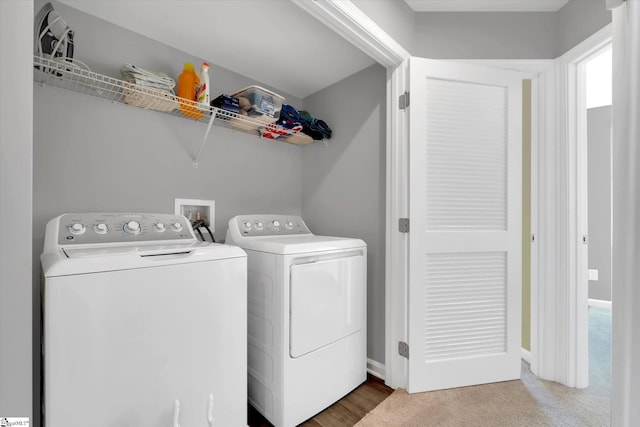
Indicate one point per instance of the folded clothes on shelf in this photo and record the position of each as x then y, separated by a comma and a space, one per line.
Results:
315, 128
288, 113
227, 102
148, 89
151, 79
288, 123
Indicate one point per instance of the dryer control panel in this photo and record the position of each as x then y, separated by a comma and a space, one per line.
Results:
267, 225
100, 228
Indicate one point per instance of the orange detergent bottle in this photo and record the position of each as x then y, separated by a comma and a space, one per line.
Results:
188, 82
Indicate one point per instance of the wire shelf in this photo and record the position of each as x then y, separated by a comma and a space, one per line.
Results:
72, 77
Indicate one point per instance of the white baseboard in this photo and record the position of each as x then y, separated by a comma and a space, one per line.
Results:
599, 303
376, 369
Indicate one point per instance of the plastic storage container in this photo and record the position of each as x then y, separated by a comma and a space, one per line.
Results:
257, 101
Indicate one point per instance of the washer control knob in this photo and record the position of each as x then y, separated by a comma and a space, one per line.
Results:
100, 228
159, 227
132, 227
259, 225
275, 224
289, 225
246, 226
77, 228
176, 226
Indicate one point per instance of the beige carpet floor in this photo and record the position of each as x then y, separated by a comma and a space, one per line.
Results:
525, 402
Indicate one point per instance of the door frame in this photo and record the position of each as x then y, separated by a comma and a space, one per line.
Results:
549, 163
571, 304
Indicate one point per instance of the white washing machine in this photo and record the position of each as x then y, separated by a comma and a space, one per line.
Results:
307, 316
144, 325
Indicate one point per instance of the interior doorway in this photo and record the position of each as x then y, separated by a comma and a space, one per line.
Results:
597, 139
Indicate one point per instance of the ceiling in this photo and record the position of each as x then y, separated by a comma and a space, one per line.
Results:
273, 42
486, 5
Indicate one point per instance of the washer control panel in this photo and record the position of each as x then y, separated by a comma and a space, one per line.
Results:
268, 225
98, 228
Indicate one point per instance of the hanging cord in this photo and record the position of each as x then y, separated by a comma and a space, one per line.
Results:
199, 232
200, 223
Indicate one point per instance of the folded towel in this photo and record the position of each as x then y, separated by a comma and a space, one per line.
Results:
145, 78
148, 89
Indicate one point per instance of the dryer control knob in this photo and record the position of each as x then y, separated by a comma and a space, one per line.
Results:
77, 228
289, 225
159, 227
275, 224
176, 226
259, 225
100, 228
246, 226
132, 227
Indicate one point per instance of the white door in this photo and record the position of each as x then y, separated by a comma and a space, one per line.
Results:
465, 208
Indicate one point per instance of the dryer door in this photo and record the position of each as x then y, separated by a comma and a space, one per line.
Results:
327, 302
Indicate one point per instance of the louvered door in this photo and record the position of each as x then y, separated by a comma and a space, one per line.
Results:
465, 211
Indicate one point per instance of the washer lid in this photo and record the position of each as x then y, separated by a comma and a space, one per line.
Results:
297, 244
95, 259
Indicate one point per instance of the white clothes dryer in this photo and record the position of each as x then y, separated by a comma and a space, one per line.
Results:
144, 325
307, 316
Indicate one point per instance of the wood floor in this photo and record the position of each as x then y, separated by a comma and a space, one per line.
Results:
344, 413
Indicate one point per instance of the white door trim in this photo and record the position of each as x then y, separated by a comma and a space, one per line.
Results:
568, 293
346, 19
397, 244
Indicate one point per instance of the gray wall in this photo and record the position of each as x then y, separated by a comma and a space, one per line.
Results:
16, 38
486, 35
90, 154
599, 195
507, 35
395, 17
578, 20
344, 181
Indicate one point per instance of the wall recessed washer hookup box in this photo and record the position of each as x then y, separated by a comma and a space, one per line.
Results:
196, 210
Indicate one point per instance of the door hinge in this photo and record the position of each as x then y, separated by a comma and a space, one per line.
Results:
403, 349
403, 225
403, 101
